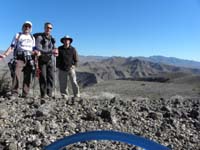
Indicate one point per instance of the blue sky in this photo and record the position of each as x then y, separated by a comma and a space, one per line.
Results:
111, 27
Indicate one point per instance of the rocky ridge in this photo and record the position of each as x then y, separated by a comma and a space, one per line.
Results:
132, 68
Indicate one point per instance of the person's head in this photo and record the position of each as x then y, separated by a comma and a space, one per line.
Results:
47, 28
66, 40
27, 27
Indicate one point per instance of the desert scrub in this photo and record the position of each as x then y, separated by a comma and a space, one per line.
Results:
4, 84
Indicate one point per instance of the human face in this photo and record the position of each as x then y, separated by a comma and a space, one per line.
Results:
48, 29
67, 42
26, 28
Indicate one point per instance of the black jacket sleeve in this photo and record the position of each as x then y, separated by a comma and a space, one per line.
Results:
75, 57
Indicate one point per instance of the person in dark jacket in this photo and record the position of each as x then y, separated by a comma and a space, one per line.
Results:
67, 61
45, 44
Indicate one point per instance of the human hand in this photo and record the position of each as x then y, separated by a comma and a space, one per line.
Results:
55, 52
73, 66
2, 56
36, 53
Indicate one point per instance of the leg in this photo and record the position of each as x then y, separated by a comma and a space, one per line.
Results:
16, 78
74, 83
42, 79
27, 80
50, 79
63, 82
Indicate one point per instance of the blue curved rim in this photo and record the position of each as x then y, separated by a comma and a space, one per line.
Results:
106, 135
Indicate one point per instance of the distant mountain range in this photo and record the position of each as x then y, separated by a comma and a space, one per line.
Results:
157, 59
174, 61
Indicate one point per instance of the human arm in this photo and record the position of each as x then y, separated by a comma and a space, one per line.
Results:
11, 47
55, 50
7, 52
35, 52
75, 57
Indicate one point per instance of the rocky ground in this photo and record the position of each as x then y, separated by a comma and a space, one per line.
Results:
168, 113
32, 123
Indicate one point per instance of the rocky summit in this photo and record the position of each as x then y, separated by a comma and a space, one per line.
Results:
32, 123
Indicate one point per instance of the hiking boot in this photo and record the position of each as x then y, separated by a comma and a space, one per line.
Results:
49, 95
63, 96
70, 101
44, 97
76, 97
13, 96
24, 95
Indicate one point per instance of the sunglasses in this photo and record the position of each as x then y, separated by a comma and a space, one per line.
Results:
49, 28
27, 26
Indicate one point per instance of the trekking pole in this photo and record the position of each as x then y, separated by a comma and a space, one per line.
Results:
37, 74
54, 76
33, 76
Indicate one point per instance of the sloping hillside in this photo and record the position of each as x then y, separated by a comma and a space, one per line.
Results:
131, 68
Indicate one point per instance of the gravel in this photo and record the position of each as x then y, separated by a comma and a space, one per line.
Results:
32, 123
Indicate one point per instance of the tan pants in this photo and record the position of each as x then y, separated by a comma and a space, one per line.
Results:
63, 81
20, 66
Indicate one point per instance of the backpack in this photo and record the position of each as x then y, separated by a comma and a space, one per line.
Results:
44, 57
43, 38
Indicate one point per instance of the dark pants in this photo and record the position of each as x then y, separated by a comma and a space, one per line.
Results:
27, 70
46, 78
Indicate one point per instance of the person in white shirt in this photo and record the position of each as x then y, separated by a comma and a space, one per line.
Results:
22, 46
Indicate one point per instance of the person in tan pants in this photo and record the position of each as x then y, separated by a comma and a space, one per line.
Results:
22, 46
67, 61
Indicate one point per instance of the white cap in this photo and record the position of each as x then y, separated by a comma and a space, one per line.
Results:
27, 22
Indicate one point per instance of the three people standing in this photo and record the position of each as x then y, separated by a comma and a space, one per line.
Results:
42, 45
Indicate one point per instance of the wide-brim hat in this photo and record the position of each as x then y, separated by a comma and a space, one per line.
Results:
65, 38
